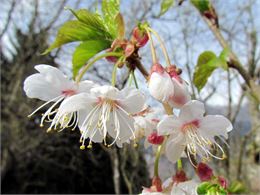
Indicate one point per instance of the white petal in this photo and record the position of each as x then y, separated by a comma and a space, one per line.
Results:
85, 86
53, 75
132, 100
174, 147
215, 125
192, 110
181, 94
161, 86
184, 188
35, 86
77, 102
105, 91
169, 125
47, 84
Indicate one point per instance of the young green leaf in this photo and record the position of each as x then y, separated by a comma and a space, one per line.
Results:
207, 63
88, 18
201, 5
74, 30
120, 26
203, 187
87, 50
110, 9
165, 6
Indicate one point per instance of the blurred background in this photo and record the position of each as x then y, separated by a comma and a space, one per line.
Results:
33, 161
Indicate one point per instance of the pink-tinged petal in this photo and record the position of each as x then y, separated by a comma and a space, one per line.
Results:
193, 110
82, 101
161, 86
132, 100
175, 147
215, 125
181, 94
169, 125
105, 91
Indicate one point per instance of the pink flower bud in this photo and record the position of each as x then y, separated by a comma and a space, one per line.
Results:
140, 37
155, 139
204, 172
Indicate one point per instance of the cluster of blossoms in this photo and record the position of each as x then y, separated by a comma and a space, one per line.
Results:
105, 114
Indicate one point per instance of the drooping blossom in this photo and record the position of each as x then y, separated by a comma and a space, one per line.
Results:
52, 86
193, 131
105, 111
167, 86
181, 94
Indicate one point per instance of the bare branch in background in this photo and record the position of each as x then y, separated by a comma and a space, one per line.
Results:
9, 16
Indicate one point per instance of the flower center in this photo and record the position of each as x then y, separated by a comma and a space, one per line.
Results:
69, 92
193, 125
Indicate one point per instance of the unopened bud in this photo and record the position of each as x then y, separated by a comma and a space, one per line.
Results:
140, 36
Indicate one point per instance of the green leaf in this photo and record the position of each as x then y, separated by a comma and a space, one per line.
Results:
224, 56
201, 5
237, 187
203, 187
207, 63
88, 18
110, 9
165, 6
87, 50
74, 31
120, 26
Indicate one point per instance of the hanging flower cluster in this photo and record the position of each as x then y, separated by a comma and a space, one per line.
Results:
105, 114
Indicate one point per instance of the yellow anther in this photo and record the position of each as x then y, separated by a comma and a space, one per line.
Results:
29, 116
135, 145
89, 145
48, 130
41, 125
82, 147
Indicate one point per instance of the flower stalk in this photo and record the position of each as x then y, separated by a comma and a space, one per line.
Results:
88, 65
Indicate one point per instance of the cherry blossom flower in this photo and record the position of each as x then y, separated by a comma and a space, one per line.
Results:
52, 86
167, 86
105, 110
194, 131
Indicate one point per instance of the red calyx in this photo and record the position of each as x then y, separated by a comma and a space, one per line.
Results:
111, 59
155, 139
180, 176
140, 36
204, 172
174, 72
157, 183
157, 68
223, 182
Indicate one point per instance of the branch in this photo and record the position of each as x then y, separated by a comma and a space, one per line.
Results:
234, 61
8, 19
